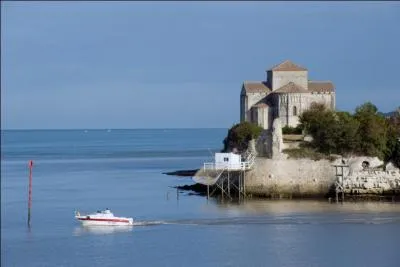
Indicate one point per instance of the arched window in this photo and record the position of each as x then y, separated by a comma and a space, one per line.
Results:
294, 111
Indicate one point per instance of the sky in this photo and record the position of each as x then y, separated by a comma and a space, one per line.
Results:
85, 65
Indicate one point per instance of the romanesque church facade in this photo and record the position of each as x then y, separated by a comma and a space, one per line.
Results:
285, 94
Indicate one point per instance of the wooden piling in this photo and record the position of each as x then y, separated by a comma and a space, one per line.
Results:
229, 186
240, 185
30, 166
244, 183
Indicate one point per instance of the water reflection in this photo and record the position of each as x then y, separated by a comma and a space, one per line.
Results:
101, 230
282, 207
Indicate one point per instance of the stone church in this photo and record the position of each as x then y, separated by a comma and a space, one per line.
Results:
285, 94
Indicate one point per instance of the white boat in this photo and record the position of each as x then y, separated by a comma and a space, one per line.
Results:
105, 217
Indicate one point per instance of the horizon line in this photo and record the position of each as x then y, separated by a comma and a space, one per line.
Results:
106, 129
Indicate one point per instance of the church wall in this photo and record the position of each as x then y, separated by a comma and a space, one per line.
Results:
269, 78
282, 111
291, 106
333, 101
261, 116
252, 99
293, 121
328, 99
243, 106
253, 117
281, 78
264, 117
270, 117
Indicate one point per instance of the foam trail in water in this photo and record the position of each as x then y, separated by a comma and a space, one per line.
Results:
148, 223
279, 221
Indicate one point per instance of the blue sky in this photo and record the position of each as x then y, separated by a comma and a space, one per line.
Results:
182, 64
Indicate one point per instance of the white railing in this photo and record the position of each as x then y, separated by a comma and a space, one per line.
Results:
209, 166
221, 167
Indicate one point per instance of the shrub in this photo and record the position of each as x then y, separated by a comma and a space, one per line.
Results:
322, 125
373, 130
392, 152
306, 152
292, 130
366, 132
239, 136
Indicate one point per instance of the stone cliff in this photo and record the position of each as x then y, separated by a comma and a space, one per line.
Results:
276, 175
309, 178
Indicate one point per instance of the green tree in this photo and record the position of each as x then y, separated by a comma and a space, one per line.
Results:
239, 136
372, 131
347, 138
392, 152
332, 132
366, 132
321, 124
292, 130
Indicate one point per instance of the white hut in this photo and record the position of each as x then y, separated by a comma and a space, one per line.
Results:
229, 161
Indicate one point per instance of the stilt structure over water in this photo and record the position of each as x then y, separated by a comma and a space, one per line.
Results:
339, 187
226, 174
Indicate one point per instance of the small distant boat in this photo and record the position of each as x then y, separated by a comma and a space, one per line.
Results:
105, 217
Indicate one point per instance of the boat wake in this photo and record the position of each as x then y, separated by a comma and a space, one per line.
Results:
148, 223
285, 220
281, 220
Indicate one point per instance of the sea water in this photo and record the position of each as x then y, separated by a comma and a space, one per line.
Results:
88, 170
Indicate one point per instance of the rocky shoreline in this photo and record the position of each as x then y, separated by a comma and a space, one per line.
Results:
310, 179
182, 173
278, 176
394, 196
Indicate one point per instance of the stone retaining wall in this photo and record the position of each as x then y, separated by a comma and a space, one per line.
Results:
289, 177
306, 177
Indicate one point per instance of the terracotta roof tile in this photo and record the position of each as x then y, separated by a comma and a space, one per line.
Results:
261, 105
290, 88
256, 87
287, 65
321, 86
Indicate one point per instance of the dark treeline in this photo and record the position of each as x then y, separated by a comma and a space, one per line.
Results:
365, 132
239, 136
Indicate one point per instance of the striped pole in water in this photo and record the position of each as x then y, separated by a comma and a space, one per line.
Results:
30, 165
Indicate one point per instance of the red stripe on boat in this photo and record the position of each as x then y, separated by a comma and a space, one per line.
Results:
102, 220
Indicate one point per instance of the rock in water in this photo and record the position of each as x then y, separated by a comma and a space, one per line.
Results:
183, 173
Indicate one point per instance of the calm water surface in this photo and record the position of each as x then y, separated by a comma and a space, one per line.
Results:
122, 170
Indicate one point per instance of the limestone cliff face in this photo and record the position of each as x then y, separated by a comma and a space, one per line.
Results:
270, 143
306, 177
277, 140
279, 176
364, 176
290, 177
